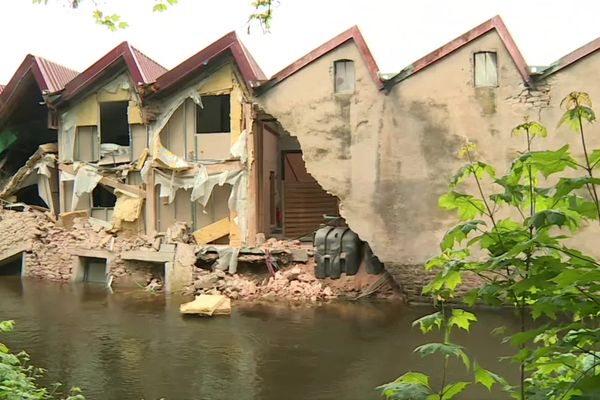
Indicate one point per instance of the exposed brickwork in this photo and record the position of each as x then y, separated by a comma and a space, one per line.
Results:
48, 256
537, 96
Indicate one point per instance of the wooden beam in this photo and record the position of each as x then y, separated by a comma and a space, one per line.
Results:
150, 205
233, 165
253, 182
108, 182
212, 232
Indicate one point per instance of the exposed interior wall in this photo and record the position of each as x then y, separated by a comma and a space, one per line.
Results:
80, 125
269, 180
178, 135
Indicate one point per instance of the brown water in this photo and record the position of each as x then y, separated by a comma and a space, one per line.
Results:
135, 345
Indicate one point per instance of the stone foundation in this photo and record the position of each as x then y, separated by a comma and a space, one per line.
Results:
412, 278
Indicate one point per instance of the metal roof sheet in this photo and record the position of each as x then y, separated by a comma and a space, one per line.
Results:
150, 69
228, 44
143, 70
55, 76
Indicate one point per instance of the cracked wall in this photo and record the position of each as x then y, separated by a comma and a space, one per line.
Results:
389, 155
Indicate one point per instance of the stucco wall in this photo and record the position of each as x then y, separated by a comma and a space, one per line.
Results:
389, 155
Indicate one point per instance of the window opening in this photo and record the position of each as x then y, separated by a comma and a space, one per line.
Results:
486, 69
114, 125
214, 114
344, 76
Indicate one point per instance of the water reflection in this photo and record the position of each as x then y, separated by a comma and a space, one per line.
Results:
133, 345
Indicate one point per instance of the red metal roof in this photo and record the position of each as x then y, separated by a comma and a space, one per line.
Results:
149, 68
495, 23
350, 34
49, 76
572, 57
54, 75
194, 65
142, 69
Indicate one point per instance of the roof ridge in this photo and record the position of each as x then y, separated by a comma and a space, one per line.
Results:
195, 64
353, 33
495, 23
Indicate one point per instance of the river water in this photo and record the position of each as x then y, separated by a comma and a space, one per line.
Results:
135, 345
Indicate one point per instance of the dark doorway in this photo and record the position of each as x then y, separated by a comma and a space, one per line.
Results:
30, 195
12, 267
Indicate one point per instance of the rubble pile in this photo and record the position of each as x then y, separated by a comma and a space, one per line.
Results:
296, 283
46, 244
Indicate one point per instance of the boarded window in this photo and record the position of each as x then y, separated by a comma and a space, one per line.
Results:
87, 146
114, 126
214, 115
486, 71
344, 76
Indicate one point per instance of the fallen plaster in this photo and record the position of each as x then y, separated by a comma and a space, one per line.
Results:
36, 171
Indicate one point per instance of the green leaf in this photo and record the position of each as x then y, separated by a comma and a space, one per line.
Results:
468, 207
159, 7
534, 128
7, 326
569, 277
547, 218
449, 280
573, 118
451, 390
547, 162
485, 377
414, 378
462, 319
428, 322
459, 233
446, 349
567, 185
403, 391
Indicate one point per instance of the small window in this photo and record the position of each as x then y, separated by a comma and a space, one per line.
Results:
114, 126
213, 115
344, 76
103, 197
486, 71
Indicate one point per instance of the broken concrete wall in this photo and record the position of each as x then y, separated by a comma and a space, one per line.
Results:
80, 131
180, 154
81, 140
389, 155
338, 133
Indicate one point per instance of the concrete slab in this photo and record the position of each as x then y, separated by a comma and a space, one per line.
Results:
76, 251
149, 256
21, 248
299, 255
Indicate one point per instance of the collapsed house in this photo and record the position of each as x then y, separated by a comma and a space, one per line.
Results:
140, 149
238, 157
